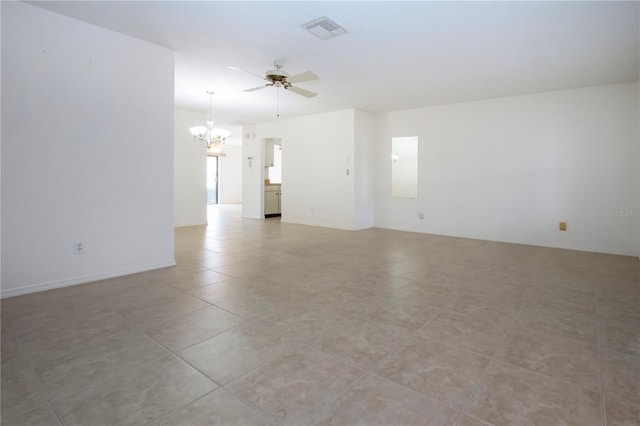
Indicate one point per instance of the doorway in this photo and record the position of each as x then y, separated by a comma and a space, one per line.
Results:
212, 180
273, 178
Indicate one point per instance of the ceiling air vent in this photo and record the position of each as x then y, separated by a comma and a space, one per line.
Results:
324, 28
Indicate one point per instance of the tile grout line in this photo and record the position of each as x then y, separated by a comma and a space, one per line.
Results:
248, 404
294, 344
48, 399
151, 338
429, 397
186, 313
538, 373
172, 412
625, 354
493, 359
440, 311
220, 386
372, 369
397, 347
458, 348
235, 327
368, 370
340, 394
236, 378
84, 387
169, 353
603, 412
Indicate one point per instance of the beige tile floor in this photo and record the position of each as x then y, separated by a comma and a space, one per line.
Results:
267, 323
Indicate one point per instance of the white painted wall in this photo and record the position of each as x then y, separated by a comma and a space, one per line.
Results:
87, 151
510, 169
252, 174
230, 175
190, 171
364, 168
0, 166
190, 165
317, 150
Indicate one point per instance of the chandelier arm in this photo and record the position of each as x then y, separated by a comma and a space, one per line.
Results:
213, 137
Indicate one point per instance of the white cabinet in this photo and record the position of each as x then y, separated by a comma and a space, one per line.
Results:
272, 194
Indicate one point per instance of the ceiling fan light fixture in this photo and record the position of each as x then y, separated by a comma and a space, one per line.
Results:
278, 72
279, 78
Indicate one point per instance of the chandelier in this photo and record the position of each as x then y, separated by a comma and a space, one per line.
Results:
212, 136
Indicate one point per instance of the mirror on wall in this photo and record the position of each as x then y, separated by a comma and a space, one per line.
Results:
404, 167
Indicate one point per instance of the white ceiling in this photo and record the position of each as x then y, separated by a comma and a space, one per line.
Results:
397, 55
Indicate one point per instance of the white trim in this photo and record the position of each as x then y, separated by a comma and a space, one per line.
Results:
561, 247
50, 285
321, 225
325, 225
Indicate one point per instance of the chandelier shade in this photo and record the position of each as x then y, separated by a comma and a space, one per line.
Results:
212, 136
198, 131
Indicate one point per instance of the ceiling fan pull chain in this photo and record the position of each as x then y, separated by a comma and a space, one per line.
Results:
278, 102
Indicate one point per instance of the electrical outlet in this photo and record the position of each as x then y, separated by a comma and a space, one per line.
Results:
563, 226
421, 215
78, 247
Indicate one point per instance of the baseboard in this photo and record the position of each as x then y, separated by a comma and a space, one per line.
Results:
320, 225
50, 285
184, 225
559, 246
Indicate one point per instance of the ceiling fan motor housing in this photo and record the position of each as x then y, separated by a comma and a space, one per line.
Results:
279, 78
276, 75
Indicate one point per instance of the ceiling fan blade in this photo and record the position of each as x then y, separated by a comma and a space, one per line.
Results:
303, 92
303, 76
261, 77
253, 89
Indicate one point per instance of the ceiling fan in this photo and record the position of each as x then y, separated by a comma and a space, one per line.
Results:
280, 78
